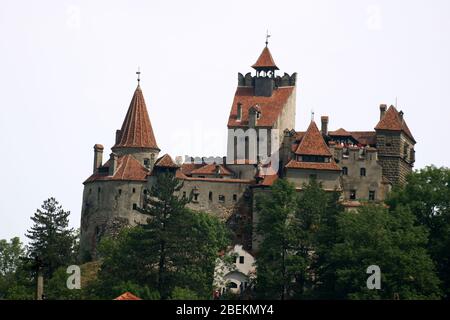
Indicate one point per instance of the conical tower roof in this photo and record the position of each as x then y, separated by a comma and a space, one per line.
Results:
136, 131
265, 60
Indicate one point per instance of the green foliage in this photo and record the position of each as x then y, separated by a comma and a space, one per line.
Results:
51, 239
427, 195
183, 294
390, 240
176, 248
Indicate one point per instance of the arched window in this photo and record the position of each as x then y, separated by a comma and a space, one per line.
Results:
345, 171
232, 285
362, 172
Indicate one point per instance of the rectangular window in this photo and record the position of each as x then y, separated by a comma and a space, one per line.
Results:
362, 172
352, 194
371, 195
221, 198
184, 194
234, 197
241, 259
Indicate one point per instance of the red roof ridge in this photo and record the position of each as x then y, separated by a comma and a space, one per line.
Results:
166, 161
265, 60
394, 122
136, 130
313, 143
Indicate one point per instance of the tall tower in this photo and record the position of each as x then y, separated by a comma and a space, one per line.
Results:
263, 107
395, 145
117, 187
136, 136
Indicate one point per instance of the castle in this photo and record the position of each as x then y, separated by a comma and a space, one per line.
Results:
262, 147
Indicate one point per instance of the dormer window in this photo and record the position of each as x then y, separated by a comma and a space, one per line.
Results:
258, 115
239, 112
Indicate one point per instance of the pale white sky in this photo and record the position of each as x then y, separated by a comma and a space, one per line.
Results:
67, 74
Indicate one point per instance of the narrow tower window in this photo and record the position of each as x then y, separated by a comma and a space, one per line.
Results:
362, 172
345, 171
239, 112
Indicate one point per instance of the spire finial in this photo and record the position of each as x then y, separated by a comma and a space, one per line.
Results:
312, 114
139, 75
267, 37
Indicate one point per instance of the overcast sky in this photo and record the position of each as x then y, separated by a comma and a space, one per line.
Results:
67, 75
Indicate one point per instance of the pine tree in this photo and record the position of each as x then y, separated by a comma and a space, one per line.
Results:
51, 239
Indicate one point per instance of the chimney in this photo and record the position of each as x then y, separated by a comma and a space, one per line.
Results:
98, 157
118, 136
401, 115
113, 164
324, 120
383, 108
224, 161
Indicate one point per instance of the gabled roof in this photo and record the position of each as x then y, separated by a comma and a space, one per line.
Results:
265, 60
312, 143
128, 169
341, 132
165, 162
393, 121
127, 296
330, 166
136, 129
211, 169
270, 108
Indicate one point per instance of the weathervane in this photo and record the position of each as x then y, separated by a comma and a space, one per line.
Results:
139, 75
267, 37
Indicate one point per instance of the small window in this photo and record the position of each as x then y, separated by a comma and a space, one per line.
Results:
134, 190
345, 171
195, 197
234, 197
372, 195
239, 112
241, 259
134, 206
210, 196
120, 192
221, 198
233, 285
352, 194
146, 162
362, 172
184, 194
258, 115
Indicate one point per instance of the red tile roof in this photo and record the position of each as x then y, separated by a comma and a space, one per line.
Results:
127, 296
210, 169
393, 122
128, 169
246, 181
165, 162
340, 132
270, 107
265, 60
331, 166
188, 167
365, 137
269, 180
313, 143
136, 129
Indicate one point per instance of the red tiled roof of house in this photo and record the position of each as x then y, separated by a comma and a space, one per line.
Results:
166, 162
331, 166
136, 129
393, 122
210, 169
270, 107
265, 60
340, 132
128, 169
246, 181
127, 296
313, 143
188, 167
269, 180
365, 137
